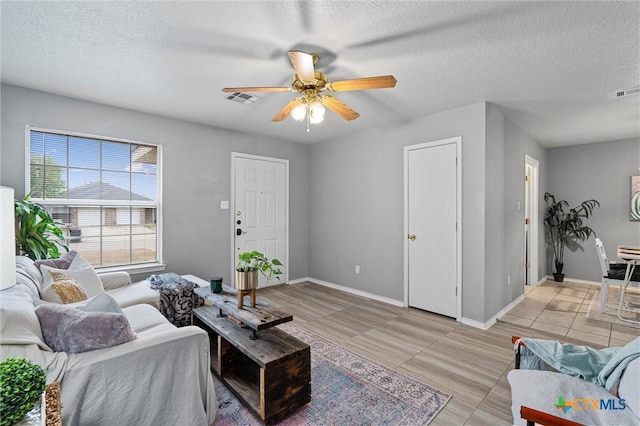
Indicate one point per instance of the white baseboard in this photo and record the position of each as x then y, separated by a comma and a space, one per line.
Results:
487, 324
575, 280
540, 281
299, 280
350, 290
476, 324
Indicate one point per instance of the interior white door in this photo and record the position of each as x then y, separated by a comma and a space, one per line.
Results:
432, 238
260, 210
531, 219
528, 180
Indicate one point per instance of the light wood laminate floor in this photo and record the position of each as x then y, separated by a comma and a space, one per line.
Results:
466, 362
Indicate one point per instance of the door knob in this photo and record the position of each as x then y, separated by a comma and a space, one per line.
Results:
411, 236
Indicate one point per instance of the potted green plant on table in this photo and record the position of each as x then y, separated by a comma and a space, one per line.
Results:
566, 226
21, 385
38, 235
248, 266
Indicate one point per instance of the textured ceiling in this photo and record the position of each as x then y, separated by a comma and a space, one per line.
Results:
550, 66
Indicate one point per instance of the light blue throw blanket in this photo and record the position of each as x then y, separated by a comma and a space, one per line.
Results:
602, 367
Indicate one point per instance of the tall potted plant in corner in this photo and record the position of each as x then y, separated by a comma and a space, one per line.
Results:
38, 235
252, 262
566, 226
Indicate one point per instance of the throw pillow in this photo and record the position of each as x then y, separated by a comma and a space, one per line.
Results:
100, 303
65, 288
84, 275
66, 329
63, 262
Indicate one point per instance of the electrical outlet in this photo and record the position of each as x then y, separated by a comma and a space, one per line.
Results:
508, 279
357, 269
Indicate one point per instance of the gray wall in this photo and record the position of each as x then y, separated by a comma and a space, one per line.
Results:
494, 277
356, 215
517, 145
601, 171
196, 173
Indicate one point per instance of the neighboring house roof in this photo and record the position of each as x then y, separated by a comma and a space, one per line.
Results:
105, 191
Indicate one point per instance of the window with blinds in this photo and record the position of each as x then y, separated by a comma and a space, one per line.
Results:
104, 192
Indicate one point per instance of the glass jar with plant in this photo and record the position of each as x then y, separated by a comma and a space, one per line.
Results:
38, 235
566, 226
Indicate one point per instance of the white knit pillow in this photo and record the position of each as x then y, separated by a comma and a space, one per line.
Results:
81, 271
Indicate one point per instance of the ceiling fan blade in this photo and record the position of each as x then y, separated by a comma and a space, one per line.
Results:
303, 64
284, 112
256, 89
380, 82
339, 108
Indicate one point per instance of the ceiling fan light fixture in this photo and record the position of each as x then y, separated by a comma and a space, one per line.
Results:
310, 83
316, 112
299, 112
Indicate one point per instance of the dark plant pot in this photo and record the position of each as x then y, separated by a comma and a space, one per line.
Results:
558, 277
216, 284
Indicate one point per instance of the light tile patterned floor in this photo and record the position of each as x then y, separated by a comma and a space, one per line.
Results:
561, 308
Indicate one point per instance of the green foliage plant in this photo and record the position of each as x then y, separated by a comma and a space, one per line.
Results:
255, 261
21, 384
566, 225
38, 235
41, 172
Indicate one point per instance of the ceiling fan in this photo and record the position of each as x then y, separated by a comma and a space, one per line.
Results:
310, 83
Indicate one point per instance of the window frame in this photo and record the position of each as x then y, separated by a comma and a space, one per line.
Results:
134, 268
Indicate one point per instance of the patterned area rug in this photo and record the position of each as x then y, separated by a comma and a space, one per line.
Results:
610, 314
346, 389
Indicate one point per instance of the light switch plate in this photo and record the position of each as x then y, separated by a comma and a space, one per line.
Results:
224, 205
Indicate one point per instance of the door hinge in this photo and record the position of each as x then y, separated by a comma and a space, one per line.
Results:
527, 178
526, 221
456, 291
527, 265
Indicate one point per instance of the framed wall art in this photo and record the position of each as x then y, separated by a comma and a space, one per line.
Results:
634, 212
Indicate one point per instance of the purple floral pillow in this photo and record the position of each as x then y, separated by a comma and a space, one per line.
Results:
61, 263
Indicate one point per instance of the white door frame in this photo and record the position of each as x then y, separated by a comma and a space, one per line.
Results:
232, 210
533, 230
458, 141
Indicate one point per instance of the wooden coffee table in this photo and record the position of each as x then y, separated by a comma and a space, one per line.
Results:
271, 371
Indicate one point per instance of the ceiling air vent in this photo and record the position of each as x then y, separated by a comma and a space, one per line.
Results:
626, 92
243, 98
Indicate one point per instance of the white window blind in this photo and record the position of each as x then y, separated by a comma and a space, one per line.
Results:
104, 192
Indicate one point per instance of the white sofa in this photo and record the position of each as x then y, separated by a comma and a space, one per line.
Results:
162, 377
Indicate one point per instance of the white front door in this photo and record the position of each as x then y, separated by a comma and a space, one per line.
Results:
432, 251
260, 209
